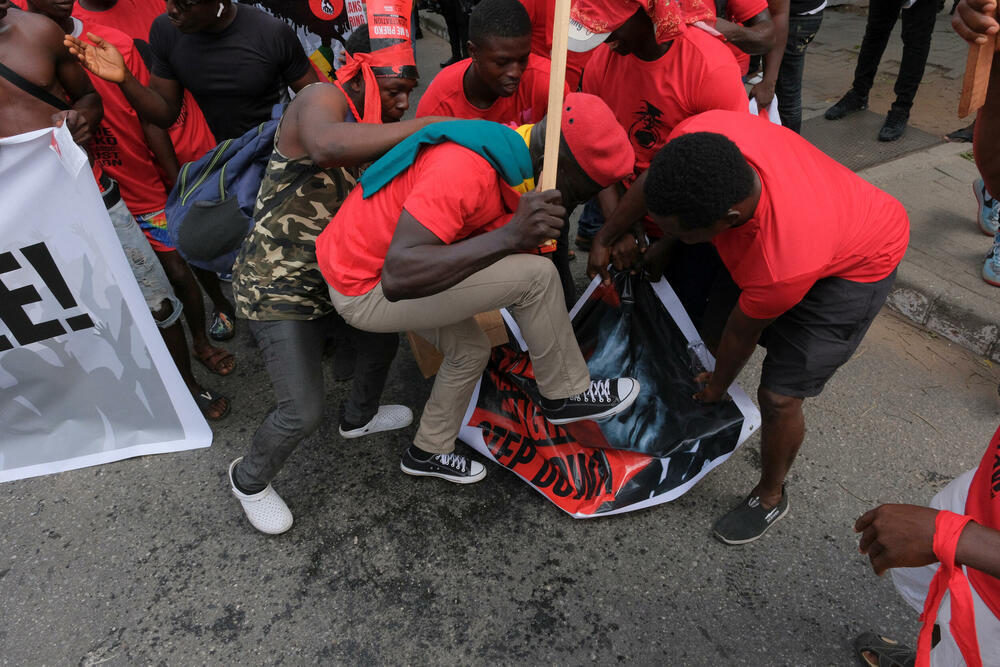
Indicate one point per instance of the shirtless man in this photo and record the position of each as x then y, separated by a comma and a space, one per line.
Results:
32, 47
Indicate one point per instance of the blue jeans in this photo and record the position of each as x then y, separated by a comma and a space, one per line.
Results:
293, 354
788, 87
591, 220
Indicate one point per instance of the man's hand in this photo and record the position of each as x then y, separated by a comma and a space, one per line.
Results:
709, 394
763, 92
77, 124
598, 260
973, 20
627, 251
655, 259
101, 58
897, 536
539, 218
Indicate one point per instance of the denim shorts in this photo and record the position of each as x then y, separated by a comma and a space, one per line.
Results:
142, 260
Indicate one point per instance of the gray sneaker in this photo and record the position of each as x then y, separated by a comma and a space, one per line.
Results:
749, 520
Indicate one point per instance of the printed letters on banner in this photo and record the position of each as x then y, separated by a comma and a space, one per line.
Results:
85, 377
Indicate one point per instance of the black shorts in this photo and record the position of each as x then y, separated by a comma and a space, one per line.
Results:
808, 343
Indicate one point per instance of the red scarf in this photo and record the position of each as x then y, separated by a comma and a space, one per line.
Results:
983, 507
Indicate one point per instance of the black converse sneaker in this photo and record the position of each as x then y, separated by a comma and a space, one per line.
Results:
603, 398
452, 467
749, 520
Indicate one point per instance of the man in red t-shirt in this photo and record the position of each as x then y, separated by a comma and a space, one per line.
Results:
502, 81
812, 249
415, 255
542, 14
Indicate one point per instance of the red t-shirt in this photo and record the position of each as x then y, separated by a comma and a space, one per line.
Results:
446, 95
189, 133
542, 13
983, 505
119, 143
816, 218
741, 11
649, 99
351, 250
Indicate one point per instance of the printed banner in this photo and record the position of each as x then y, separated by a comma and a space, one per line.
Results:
85, 377
650, 454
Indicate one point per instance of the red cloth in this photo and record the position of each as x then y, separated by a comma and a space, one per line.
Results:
542, 13
670, 18
816, 218
949, 578
741, 11
351, 250
446, 95
119, 143
983, 505
392, 57
189, 133
649, 99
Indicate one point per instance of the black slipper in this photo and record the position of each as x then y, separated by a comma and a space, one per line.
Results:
204, 400
890, 653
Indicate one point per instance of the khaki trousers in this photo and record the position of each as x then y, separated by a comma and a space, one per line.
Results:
528, 286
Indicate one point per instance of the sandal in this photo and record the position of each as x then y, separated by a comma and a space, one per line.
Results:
889, 653
216, 361
205, 399
223, 327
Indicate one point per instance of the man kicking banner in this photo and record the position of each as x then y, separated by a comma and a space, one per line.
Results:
84, 375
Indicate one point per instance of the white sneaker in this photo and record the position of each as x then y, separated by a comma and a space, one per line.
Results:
266, 510
388, 418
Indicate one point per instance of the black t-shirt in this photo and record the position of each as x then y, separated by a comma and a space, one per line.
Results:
236, 75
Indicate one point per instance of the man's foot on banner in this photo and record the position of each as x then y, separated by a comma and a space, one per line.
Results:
388, 418
749, 520
265, 509
604, 398
452, 467
213, 406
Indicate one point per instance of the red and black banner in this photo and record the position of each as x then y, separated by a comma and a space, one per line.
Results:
649, 454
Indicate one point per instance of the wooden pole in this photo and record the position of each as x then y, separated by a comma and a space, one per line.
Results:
557, 84
977, 76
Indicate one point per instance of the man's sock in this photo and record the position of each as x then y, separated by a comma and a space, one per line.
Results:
248, 489
420, 454
348, 426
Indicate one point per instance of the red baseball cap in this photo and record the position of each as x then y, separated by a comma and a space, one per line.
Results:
598, 143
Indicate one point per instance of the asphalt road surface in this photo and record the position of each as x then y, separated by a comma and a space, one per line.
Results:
151, 561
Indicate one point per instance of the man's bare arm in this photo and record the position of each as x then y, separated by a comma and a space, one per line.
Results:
763, 92
755, 36
419, 264
159, 104
314, 125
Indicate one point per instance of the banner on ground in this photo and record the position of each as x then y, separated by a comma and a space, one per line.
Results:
650, 454
85, 377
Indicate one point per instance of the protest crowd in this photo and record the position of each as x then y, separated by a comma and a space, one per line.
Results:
664, 144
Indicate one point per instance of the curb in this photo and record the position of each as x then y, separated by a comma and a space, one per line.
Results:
939, 313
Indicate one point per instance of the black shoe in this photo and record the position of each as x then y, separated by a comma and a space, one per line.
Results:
960, 135
895, 124
603, 399
848, 104
452, 467
450, 61
583, 242
749, 520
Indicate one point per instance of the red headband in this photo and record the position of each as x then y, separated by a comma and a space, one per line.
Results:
390, 62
